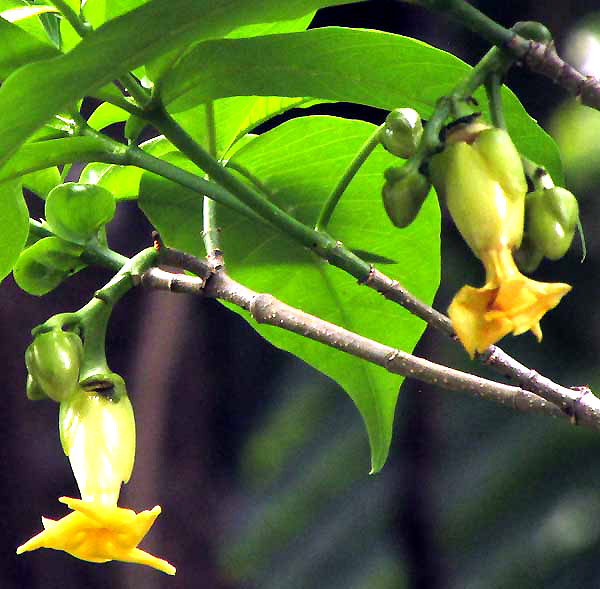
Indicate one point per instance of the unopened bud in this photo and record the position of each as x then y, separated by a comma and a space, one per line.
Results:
403, 193
402, 132
551, 219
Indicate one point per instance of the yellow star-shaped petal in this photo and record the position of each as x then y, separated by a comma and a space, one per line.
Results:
99, 533
508, 302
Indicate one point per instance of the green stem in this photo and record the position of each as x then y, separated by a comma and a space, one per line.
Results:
359, 159
95, 254
210, 229
458, 101
322, 244
93, 323
81, 27
493, 89
92, 319
135, 89
116, 153
471, 18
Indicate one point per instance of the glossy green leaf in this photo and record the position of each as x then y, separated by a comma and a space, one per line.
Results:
15, 9
299, 162
44, 265
21, 12
106, 114
366, 67
19, 48
75, 211
14, 225
174, 210
115, 8
235, 116
69, 37
157, 67
112, 50
51, 24
94, 12
42, 181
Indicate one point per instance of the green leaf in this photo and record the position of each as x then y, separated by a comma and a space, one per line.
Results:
156, 69
44, 265
366, 67
235, 116
19, 48
42, 181
14, 225
95, 12
116, 8
40, 90
174, 210
21, 12
300, 162
14, 10
106, 114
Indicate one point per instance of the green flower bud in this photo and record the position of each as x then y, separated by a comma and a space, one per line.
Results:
97, 433
551, 218
483, 183
403, 193
53, 360
528, 256
75, 212
402, 132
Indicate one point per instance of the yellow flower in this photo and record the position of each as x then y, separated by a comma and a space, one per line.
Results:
99, 533
508, 302
480, 176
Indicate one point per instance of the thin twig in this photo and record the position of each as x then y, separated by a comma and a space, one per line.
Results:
538, 57
266, 309
580, 408
578, 405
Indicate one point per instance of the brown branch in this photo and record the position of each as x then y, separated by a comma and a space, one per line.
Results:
580, 408
543, 59
578, 404
264, 308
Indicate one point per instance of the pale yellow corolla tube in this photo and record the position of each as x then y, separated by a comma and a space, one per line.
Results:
97, 432
480, 176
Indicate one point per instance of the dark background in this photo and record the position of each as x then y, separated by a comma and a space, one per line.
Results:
260, 464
